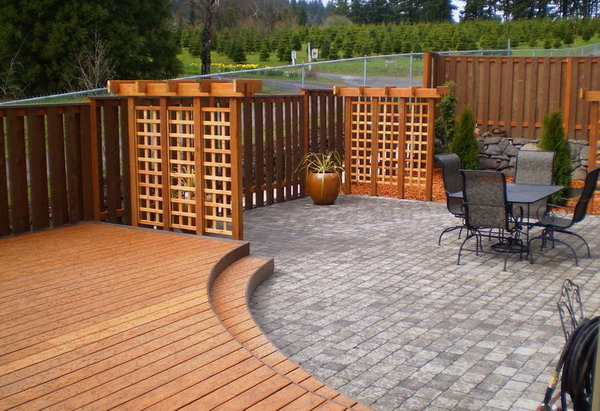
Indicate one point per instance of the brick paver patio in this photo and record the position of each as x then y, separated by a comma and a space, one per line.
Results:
365, 300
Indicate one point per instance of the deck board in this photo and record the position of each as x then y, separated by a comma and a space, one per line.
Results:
105, 316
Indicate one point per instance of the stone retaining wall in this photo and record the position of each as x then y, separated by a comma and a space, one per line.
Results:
500, 153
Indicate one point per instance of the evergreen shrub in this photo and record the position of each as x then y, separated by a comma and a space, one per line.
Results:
464, 142
553, 139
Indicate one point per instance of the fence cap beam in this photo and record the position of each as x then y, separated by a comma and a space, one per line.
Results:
185, 88
365, 91
589, 95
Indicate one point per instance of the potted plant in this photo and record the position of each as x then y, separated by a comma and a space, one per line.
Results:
323, 176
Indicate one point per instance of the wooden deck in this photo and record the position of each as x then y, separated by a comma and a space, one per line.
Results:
102, 316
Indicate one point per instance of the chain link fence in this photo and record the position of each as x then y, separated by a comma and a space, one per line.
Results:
398, 70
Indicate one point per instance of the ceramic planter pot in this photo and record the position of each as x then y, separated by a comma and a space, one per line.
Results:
323, 187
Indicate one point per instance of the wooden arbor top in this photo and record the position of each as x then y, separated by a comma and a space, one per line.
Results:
185, 88
366, 91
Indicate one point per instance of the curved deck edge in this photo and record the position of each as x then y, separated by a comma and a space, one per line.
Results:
292, 387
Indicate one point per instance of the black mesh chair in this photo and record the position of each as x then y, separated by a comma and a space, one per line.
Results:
450, 163
553, 223
534, 167
486, 208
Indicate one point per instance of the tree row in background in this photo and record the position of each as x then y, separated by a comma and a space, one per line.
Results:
391, 11
51, 47
346, 40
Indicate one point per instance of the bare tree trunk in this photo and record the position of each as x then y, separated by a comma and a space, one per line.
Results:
207, 36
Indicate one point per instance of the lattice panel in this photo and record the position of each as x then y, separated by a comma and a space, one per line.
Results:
360, 140
148, 152
415, 151
182, 170
388, 141
218, 202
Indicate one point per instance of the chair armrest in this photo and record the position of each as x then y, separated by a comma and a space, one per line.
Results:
555, 211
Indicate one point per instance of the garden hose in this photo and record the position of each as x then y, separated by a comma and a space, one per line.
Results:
577, 362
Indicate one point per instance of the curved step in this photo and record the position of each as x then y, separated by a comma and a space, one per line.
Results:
289, 386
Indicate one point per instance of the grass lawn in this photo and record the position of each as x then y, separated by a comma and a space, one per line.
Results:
376, 66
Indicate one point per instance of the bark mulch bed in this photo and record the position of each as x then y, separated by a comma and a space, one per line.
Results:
414, 193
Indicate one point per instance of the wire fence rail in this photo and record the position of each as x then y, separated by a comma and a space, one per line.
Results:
396, 70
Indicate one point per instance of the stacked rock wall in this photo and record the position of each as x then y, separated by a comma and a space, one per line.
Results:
500, 153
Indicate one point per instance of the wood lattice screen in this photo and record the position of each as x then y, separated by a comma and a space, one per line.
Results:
186, 154
390, 137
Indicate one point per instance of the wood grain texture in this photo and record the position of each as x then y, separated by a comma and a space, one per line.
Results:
105, 316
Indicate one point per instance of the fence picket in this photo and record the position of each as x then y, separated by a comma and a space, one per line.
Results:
56, 166
38, 177
125, 164
86, 163
112, 160
4, 211
279, 157
17, 173
269, 150
73, 163
259, 157
288, 149
247, 137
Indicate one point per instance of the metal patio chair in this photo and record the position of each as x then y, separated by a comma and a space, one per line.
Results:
554, 223
452, 179
486, 208
534, 167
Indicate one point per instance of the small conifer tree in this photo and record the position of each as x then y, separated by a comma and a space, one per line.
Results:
264, 52
237, 53
464, 143
553, 139
444, 124
348, 49
195, 44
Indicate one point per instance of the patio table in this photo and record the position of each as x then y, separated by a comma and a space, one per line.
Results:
523, 194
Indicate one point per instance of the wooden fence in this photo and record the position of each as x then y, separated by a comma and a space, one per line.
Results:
277, 131
50, 175
47, 177
593, 97
516, 93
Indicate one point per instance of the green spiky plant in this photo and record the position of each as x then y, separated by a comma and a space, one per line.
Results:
329, 162
321, 163
553, 139
464, 142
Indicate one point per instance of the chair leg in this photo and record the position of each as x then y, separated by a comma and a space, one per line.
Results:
589, 254
469, 236
554, 240
447, 230
549, 236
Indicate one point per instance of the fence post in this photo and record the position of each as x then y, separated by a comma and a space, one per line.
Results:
427, 56
568, 92
305, 102
348, 145
374, 145
410, 68
237, 227
365, 71
431, 105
